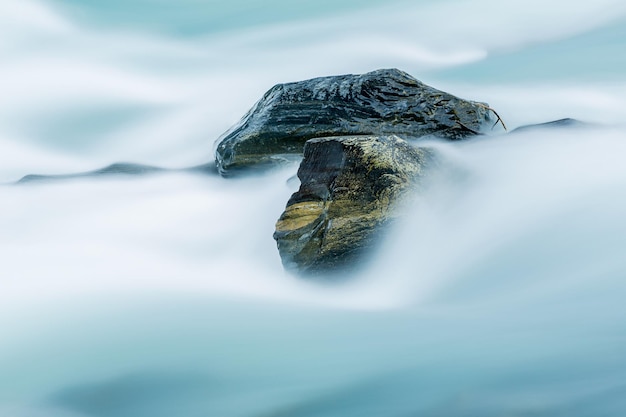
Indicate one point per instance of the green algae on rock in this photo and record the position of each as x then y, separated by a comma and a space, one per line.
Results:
381, 102
351, 188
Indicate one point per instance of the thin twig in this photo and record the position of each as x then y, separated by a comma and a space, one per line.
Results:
497, 115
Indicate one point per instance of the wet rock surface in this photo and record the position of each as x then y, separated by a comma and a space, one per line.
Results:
381, 102
351, 188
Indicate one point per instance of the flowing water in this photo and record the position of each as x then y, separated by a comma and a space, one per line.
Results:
501, 294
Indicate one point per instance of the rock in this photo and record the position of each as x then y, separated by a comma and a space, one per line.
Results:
120, 169
377, 103
561, 123
351, 188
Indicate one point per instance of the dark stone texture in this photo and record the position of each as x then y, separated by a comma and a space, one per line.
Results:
381, 102
351, 188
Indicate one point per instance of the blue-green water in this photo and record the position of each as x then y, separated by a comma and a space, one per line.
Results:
501, 294
201, 17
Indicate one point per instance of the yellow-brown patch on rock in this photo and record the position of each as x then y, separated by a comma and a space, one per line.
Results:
299, 215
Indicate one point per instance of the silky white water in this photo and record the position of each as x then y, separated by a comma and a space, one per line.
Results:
500, 294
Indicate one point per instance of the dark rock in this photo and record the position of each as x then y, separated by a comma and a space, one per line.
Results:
561, 123
120, 168
116, 170
377, 103
351, 188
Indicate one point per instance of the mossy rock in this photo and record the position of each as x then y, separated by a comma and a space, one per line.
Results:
351, 190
